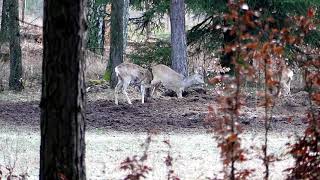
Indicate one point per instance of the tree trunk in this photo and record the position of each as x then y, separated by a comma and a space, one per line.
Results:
62, 150
117, 38
96, 16
15, 78
125, 24
4, 33
148, 30
226, 58
23, 8
178, 37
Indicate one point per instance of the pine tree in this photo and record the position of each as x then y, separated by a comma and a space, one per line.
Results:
118, 37
15, 78
178, 37
62, 150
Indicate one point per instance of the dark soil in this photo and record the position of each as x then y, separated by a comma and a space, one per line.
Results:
163, 114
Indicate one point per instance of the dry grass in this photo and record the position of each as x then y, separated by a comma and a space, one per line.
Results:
32, 65
195, 156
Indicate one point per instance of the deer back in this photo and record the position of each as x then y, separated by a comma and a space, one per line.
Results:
134, 73
166, 75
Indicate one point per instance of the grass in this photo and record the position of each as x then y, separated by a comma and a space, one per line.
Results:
195, 156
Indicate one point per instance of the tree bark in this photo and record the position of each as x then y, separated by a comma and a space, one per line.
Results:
226, 58
178, 37
148, 30
23, 8
62, 150
15, 77
96, 16
117, 38
4, 33
125, 24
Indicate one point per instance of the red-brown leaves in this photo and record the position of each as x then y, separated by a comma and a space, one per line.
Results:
258, 46
311, 13
135, 165
168, 161
61, 176
252, 45
136, 168
307, 153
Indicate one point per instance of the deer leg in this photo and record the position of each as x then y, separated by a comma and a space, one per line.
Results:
116, 91
142, 87
289, 86
179, 93
154, 85
287, 89
124, 90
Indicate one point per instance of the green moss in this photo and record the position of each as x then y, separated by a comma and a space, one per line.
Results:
96, 81
107, 75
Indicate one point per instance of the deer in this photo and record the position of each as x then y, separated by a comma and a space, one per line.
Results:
281, 74
285, 81
172, 80
131, 74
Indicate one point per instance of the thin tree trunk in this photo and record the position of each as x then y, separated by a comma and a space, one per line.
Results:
62, 150
226, 58
4, 33
15, 78
178, 37
148, 31
96, 16
117, 38
125, 25
23, 9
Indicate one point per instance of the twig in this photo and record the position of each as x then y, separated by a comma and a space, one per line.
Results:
30, 24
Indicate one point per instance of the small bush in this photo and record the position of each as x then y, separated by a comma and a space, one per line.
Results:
107, 75
148, 53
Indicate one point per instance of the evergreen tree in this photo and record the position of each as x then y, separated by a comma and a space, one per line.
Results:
15, 78
118, 39
96, 31
4, 34
62, 150
178, 37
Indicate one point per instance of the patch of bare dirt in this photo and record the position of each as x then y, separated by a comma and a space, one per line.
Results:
163, 114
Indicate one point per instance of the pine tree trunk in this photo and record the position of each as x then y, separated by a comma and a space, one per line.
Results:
148, 30
15, 78
62, 150
96, 16
23, 8
226, 58
4, 35
125, 24
117, 38
178, 37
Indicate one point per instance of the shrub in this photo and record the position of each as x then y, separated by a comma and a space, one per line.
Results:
148, 53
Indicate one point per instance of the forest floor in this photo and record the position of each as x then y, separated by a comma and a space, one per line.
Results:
116, 132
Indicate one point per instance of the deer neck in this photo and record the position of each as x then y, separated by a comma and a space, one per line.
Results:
187, 82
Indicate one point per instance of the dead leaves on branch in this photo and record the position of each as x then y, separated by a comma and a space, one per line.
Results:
257, 46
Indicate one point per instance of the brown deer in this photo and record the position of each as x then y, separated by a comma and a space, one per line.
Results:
285, 81
128, 73
172, 80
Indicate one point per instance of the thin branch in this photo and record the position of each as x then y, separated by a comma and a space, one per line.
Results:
34, 25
